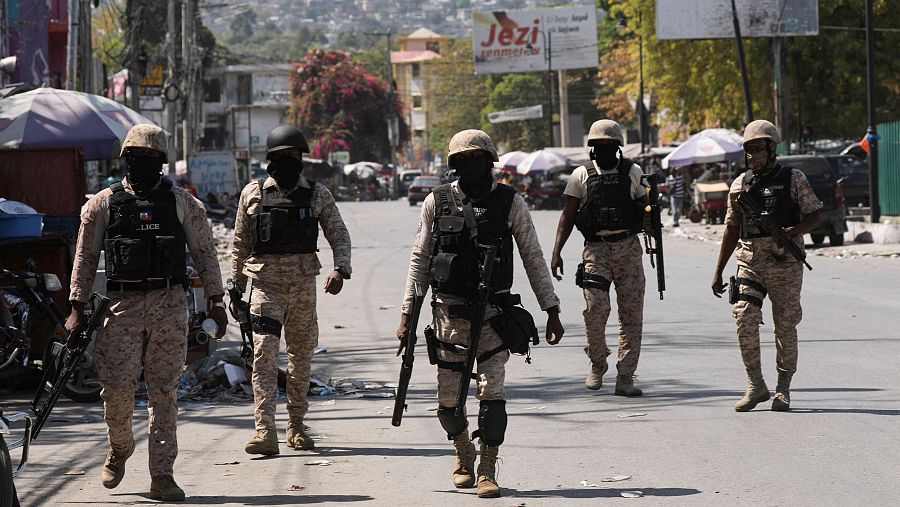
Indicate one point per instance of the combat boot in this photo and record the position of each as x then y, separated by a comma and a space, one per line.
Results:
782, 401
464, 474
487, 473
265, 442
296, 435
625, 386
164, 488
114, 466
594, 379
757, 392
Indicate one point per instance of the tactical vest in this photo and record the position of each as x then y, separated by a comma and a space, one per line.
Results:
455, 261
773, 193
609, 205
284, 224
144, 238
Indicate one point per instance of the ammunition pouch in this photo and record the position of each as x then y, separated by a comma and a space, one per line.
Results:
587, 280
265, 325
442, 267
140, 258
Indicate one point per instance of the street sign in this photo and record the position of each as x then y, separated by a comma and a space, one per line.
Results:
341, 157
712, 19
519, 113
152, 83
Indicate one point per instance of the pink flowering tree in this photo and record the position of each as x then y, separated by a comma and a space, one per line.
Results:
341, 107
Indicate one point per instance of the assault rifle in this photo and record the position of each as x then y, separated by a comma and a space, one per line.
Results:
406, 366
477, 320
59, 370
756, 213
655, 248
240, 312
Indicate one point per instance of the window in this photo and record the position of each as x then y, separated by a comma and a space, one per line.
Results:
212, 90
416, 70
433, 46
417, 101
244, 89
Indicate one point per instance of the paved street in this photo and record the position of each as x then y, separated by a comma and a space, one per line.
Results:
681, 444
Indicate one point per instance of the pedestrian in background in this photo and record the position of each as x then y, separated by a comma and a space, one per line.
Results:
675, 182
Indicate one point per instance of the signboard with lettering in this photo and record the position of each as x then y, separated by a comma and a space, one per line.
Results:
213, 172
713, 19
530, 40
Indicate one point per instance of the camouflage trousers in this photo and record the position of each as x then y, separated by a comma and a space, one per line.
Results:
293, 303
491, 372
783, 281
145, 332
620, 263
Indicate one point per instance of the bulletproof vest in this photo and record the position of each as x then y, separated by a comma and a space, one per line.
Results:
773, 193
455, 261
285, 223
144, 238
609, 205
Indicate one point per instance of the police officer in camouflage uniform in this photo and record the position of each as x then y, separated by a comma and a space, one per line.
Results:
446, 257
764, 266
144, 225
275, 243
605, 199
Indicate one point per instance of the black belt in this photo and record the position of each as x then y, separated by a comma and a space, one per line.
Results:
142, 286
609, 238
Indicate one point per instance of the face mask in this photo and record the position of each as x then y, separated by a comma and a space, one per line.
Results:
285, 171
474, 175
143, 172
758, 157
606, 155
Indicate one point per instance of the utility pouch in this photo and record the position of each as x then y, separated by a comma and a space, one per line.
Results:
431, 344
262, 227
163, 261
127, 258
579, 275
442, 267
450, 229
516, 328
733, 290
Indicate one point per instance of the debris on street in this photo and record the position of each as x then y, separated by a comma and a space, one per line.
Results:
228, 463
319, 462
632, 494
74, 472
616, 478
633, 414
295, 487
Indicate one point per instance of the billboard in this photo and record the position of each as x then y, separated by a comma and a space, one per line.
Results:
517, 41
712, 19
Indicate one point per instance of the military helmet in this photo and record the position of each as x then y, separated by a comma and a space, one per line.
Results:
606, 129
761, 129
286, 137
472, 140
145, 135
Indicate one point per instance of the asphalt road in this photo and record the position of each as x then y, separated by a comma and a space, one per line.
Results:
682, 445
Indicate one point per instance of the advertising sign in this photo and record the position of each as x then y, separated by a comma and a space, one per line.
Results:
519, 113
712, 19
529, 40
213, 172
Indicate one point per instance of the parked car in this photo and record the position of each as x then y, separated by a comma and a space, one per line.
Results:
421, 187
853, 176
406, 180
824, 181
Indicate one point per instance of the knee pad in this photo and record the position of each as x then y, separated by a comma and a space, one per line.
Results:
491, 422
452, 424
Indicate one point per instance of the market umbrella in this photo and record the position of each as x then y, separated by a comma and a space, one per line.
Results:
540, 161
726, 134
363, 170
701, 149
510, 160
52, 118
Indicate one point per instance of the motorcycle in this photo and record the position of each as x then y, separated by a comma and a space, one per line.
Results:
31, 297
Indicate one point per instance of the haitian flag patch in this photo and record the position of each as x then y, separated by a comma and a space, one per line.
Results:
146, 216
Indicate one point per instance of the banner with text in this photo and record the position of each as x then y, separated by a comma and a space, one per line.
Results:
532, 40
213, 172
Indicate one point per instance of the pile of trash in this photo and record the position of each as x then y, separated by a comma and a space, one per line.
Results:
223, 236
351, 388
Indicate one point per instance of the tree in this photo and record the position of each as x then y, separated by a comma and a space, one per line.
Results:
512, 91
459, 95
243, 26
341, 107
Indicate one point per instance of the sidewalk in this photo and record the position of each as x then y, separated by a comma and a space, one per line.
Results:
851, 249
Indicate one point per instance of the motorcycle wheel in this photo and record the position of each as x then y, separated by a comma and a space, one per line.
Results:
84, 384
7, 489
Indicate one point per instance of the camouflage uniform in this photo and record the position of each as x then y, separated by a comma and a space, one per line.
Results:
763, 261
284, 289
621, 263
492, 372
147, 331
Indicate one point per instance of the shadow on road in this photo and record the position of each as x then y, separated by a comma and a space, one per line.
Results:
297, 499
590, 493
869, 411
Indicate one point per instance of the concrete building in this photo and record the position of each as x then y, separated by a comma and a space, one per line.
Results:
415, 75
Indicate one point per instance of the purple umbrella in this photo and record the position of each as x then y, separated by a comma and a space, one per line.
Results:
701, 149
52, 118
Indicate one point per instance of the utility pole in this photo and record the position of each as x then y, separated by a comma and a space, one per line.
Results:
393, 124
748, 101
642, 114
72, 53
549, 54
85, 59
170, 84
187, 44
872, 136
562, 75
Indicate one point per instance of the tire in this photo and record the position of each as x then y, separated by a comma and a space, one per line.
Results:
817, 239
7, 491
836, 239
86, 387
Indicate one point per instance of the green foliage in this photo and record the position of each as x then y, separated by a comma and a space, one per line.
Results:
459, 95
512, 91
243, 26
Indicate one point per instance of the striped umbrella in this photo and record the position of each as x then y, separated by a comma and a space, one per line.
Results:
510, 160
541, 161
52, 118
700, 149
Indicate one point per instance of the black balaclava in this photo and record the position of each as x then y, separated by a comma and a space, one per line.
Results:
475, 178
143, 172
285, 170
760, 160
606, 155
